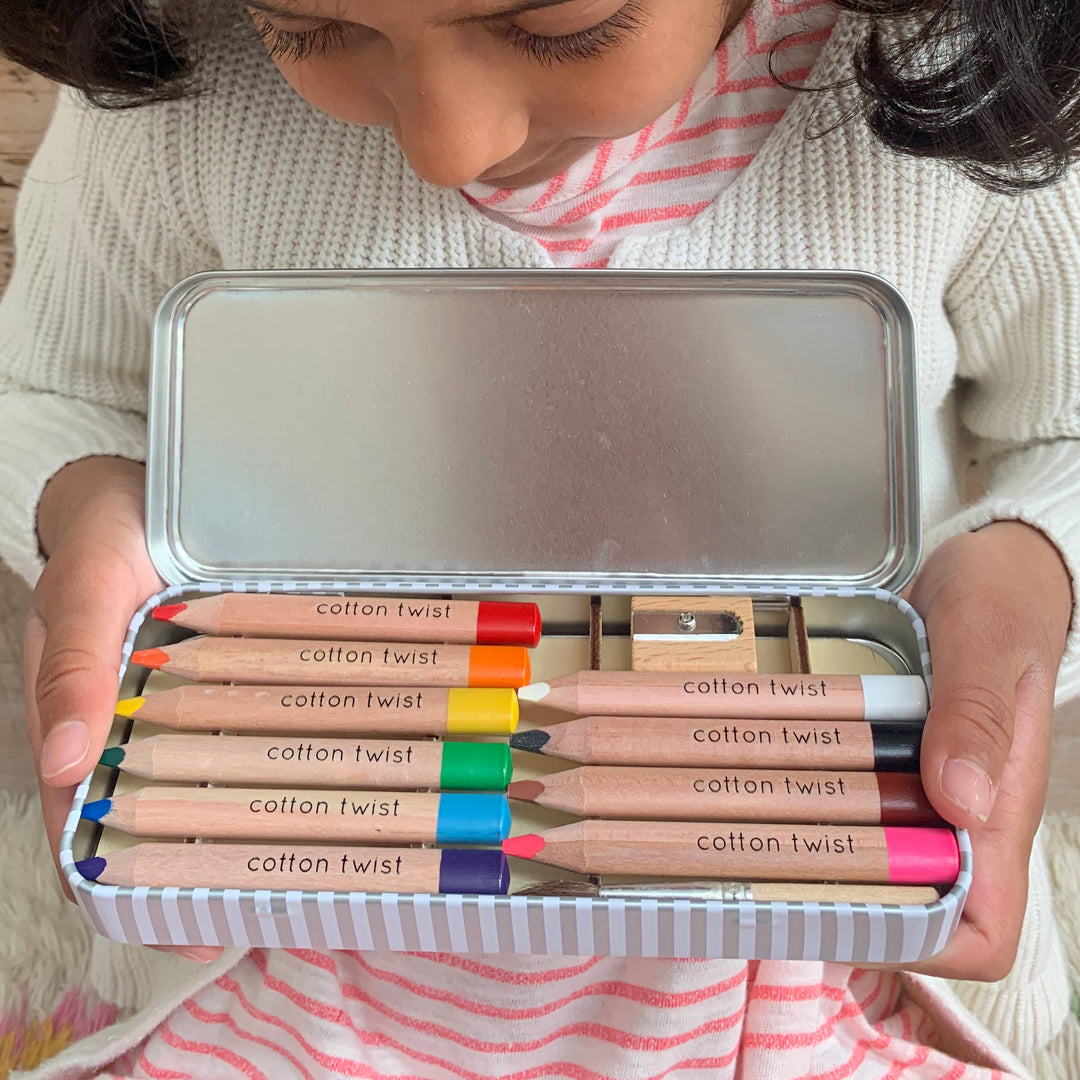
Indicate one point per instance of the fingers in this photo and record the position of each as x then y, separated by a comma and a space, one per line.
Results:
55, 802
969, 729
977, 662
72, 654
97, 575
76, 681
985, 944
201, 954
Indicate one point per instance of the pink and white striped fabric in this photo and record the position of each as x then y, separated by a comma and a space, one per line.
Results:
389, 1016
675, 168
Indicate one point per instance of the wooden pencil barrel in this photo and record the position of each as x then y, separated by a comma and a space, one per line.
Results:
384, 817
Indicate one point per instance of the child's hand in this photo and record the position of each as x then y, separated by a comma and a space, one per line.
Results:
997, 605
90, 523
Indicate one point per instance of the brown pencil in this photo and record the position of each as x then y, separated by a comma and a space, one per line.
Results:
335, 763
669, 849
330, 710
385, 817
262, 866
341, 663
850, 798
357, 618
763, 744
737, 697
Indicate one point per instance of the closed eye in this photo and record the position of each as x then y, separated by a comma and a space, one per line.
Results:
581, 46
297, 45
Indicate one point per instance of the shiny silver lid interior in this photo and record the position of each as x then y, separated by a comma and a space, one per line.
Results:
487, 429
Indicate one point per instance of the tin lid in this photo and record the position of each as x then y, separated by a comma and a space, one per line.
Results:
543, 429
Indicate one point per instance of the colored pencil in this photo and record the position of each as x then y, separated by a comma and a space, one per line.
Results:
394, 817
668, 849
761, 744
733, 697
849, 798
761, 892
329, 710
262, 866
341, 663
353, 618
789, 892
332, 763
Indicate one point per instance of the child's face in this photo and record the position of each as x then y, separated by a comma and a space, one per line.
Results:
510, 92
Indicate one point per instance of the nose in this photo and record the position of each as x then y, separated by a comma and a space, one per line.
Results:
455, 119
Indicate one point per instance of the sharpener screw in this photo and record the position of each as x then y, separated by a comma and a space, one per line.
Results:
687, 621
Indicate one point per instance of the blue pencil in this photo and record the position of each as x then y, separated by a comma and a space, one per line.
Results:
317, 815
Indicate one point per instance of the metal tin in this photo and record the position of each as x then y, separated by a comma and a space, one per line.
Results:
740, 432
473, 429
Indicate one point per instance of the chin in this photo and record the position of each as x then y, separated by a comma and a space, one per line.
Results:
540, 170
519, 178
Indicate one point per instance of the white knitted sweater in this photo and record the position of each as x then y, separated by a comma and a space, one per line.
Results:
117, 207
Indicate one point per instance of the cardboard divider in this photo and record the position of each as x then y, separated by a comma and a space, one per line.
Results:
798, 643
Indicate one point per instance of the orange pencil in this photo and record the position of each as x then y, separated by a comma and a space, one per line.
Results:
341, 663
852, 853
330, 710
733, 696
357, 618
850, 798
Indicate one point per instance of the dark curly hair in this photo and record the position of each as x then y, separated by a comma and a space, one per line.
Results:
992, 86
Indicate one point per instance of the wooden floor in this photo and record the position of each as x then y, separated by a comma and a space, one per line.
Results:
25, 104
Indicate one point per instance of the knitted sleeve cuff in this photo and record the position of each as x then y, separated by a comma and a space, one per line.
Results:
1039, 485
39, 435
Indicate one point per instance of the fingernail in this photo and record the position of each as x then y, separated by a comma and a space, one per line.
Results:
66, 745
968, 786
196, 953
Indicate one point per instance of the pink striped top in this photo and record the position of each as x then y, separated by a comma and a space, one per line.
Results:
675, 168
390, 1016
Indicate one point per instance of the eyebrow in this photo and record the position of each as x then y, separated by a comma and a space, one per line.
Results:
286, 8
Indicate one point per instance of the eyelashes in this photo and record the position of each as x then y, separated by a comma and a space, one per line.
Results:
294, 46
582, 46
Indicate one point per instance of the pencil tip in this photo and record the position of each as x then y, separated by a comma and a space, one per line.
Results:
151, 658
168, 612
112, 756
533, 741
525, 790
96, 810
91, 868
129, 706
524, 847
536, 691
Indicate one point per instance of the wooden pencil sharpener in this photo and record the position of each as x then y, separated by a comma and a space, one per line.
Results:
698, 633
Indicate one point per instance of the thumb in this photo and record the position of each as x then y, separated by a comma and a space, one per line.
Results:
969, 728
76, 683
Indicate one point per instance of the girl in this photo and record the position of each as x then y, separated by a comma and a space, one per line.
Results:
923, 140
